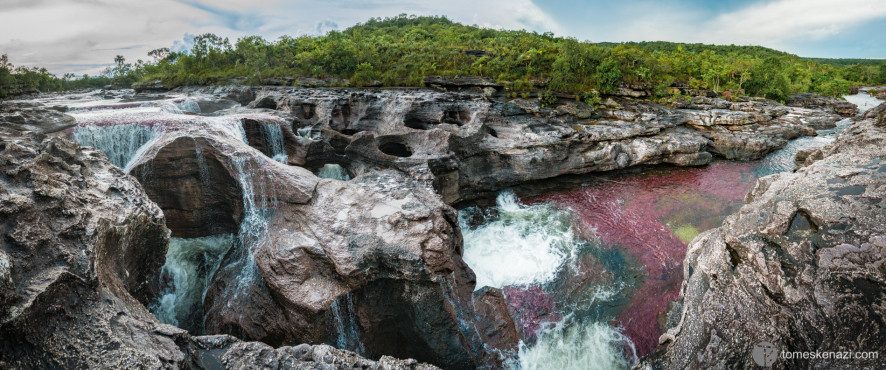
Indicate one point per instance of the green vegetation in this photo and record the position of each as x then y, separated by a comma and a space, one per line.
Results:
404, 50
686, 233
16, 81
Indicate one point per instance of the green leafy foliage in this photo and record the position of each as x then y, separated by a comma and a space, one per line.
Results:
403, 50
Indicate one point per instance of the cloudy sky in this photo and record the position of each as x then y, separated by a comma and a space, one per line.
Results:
83, 36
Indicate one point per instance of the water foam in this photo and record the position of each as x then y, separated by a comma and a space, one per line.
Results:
518, 245
333, 171
593, 345
190, 264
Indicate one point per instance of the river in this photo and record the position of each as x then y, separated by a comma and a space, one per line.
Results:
592, 265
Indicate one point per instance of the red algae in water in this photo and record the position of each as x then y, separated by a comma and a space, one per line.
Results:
533, 307
651, 217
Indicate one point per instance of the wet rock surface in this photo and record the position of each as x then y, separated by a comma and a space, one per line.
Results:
471, 141
373, 265
799, 266
355, 264
82, 241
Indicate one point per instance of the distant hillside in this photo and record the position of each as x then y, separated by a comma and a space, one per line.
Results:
665, 46
847, 61
405, 50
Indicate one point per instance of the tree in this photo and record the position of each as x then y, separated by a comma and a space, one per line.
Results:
608, 76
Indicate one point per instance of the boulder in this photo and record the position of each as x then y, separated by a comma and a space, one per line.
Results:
353, 263
81, 241
837, 105
799, 267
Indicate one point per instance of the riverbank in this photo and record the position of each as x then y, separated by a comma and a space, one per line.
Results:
323, 215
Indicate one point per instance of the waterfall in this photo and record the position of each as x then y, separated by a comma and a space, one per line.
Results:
201, 164
518, 245
190, 264
579, 346
189, 105
119, 142
231, 126
253, 228
274, 138
345, 323
333, 171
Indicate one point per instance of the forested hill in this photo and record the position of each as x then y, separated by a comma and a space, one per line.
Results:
403, 50
847, 61
666, 46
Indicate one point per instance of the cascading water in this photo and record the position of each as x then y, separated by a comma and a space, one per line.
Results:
333, 171
519, 244
782, 160
582, 346
519, 247
189, 105
274, 138
305, 132
190, 266
253, 228
119, 142
345, 323
202, 166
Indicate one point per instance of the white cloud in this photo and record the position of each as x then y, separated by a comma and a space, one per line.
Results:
775, 23
794, 19
79, 35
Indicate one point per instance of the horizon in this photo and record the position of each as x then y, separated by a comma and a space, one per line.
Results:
88, 34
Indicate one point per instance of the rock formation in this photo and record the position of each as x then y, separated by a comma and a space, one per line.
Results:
814, 101
81, 244
799, 266
355, 264
372, 265
471, 141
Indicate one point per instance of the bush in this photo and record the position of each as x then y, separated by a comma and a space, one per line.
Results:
592, 98
547, 98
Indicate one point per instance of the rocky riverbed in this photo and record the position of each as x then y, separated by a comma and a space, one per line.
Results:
213, 209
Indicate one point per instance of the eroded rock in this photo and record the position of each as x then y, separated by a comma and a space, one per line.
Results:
799, 266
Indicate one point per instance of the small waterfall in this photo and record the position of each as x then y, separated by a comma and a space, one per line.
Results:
190, 264
518, 245
231, 126
345, 322
333, 171
201, 164
253, 228
274, 138
119, 142
579, 346
189, 105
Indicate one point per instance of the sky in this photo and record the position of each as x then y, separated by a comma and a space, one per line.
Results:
83, 36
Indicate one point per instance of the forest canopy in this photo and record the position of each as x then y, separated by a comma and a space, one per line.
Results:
404, 50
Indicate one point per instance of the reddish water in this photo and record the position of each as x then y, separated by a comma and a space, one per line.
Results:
644, 217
